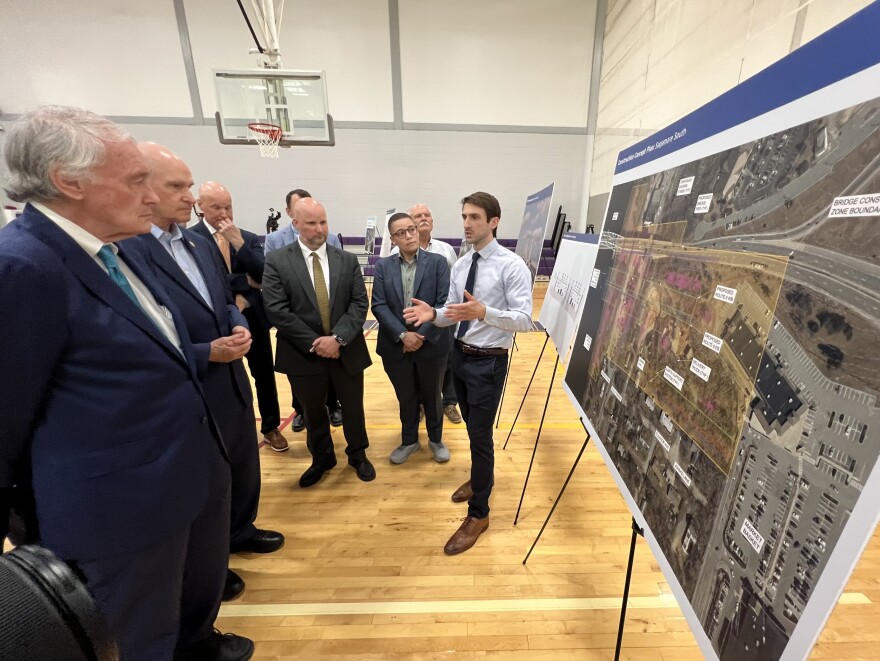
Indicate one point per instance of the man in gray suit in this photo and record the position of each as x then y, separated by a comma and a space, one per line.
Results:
413, 357
278, 239
316, 298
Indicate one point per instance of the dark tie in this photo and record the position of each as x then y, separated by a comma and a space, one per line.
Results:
321, 293
106, 255
468, 287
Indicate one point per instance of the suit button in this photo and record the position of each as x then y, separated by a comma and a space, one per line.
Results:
204, 420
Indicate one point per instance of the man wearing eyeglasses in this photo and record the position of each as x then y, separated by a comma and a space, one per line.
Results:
414, 356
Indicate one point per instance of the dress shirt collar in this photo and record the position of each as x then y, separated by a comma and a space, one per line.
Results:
88, 242
210, 227
487, 250
306, 251
414, 259
173, 234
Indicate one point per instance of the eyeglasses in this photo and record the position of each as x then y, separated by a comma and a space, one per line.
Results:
409, 231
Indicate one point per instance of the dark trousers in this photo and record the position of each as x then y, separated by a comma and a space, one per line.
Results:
478, 382
415, 381
332, 399
312, 389
244, 465
167, 596
262, 369
449, 396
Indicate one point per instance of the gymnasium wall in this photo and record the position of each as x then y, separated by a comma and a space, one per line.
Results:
432, 100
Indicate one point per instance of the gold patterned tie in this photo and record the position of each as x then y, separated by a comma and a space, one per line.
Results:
321, 293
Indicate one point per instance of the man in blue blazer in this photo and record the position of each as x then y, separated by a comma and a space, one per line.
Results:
278, 239
413, 357
189, 269
289, 234
103, 414
242, 255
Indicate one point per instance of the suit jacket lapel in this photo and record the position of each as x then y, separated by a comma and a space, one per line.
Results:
97, 281
397, 279
334, 260
298, 263
421, 265
166, 262
208, 267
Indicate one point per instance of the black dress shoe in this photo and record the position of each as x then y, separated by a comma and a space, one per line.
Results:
218, 647
263, 541
299, 422
234, 585
336, 417
364, 469
313, 474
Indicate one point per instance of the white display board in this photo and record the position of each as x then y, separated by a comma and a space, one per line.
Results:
731, 377
564, 301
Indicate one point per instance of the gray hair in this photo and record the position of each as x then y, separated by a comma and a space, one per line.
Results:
70, 139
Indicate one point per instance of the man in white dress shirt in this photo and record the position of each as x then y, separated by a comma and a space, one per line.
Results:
490, 298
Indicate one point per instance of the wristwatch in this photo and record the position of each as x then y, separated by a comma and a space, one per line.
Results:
401, 336
339, 339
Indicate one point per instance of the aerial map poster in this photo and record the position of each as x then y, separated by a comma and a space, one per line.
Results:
726, 360
536, 215
573, 274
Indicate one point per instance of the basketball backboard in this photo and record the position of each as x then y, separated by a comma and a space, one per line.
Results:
294, 100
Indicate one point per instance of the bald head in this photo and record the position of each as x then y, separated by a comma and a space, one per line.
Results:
310, 220
172, 181
215, 202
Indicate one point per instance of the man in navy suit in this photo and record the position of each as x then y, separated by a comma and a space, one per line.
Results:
278, 239
243, 260
190, 271
103, 413
413, 357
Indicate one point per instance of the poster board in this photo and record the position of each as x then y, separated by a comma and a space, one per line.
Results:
573, 274
536, 215
386, 245
726, 361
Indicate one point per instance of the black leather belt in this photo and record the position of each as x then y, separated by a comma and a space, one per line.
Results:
480, 351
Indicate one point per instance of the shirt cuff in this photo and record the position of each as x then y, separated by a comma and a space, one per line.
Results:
492, 315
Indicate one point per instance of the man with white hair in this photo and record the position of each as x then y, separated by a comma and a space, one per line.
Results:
244, 260
104, 417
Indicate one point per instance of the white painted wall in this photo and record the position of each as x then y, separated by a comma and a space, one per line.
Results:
532, 62
496, 61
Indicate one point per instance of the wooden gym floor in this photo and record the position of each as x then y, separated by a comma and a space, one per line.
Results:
363, 575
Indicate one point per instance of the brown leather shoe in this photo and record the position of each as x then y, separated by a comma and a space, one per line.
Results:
276, 441
452, 413
466, 536
463, 494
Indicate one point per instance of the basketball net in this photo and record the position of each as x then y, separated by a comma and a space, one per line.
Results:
267, 136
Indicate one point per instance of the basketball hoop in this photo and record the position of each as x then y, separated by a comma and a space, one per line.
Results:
267, 136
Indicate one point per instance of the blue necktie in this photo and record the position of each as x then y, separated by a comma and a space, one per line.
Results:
106, 255
468, 287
